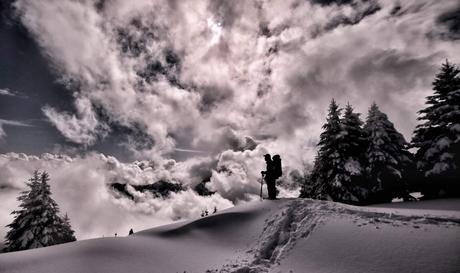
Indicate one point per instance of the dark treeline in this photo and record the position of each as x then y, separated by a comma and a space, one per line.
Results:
370, 162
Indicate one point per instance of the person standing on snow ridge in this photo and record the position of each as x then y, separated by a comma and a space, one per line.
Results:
273, 172
268, 176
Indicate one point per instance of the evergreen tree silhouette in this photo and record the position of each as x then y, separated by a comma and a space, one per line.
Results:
437, 138
37, 223
336, 166
353, 145
387, 157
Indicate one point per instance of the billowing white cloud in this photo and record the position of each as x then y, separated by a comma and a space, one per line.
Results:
83, 127
237, 176
82, 186
182, 70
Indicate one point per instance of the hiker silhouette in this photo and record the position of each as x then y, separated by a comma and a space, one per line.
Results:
273, 172
131, 232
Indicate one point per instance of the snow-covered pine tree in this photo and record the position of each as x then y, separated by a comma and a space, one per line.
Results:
328, 158
19, 236
387, 157
438, 136
353, 143
330, 178
37, 223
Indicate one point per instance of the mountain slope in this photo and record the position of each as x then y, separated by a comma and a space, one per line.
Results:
270, 236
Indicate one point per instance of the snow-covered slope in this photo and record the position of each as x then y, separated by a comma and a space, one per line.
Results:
271, 236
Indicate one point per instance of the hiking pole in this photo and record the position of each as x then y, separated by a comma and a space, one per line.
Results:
261, 184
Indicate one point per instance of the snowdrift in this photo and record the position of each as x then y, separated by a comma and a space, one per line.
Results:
290, 235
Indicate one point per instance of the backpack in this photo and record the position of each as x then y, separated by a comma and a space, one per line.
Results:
277, 168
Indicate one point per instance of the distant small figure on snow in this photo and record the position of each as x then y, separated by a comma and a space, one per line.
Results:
204, 212
131, 232
116, 235
215, 210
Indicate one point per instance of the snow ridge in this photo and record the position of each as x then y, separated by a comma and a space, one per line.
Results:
298, 219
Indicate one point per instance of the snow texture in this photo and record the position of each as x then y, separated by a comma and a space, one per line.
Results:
288, 235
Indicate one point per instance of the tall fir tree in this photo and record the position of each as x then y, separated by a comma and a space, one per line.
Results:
387, 157
353, 148
37, 222
336, 167
354, 141
19, 236
437, 138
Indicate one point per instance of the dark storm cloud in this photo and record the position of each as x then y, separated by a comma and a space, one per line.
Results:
202, 171
310, 81
213, 95
291, 118
226, 12
391, 77
360, 12
451, 20
330, 2
390, 71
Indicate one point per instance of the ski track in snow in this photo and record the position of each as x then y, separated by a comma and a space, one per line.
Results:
299, 219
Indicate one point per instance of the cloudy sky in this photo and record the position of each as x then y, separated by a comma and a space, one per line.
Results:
93, 91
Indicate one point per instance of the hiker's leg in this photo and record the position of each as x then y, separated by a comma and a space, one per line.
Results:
275, 190
271, 190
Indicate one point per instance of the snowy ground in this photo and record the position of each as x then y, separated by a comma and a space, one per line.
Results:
289, 235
